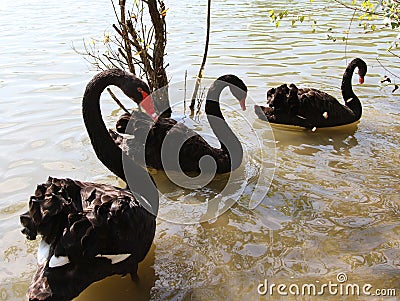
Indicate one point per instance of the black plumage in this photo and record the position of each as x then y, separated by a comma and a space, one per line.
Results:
309, 107
145, 131
80, 222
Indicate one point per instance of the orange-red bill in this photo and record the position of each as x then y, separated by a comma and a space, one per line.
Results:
361, 79
147, 105
243, 103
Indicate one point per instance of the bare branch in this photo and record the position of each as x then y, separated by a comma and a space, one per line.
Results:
125, 37
386, 69
358, 9
136, 44
201, 71
117, 100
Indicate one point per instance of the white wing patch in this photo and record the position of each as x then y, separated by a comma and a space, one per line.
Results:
144, 202
43, 252
55, 261
58, 261
115, 258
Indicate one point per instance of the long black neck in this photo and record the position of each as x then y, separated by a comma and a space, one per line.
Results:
230, 144
347, 89
106, 150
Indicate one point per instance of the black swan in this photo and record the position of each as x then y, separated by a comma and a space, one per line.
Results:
91, 231
228, 157
311, 108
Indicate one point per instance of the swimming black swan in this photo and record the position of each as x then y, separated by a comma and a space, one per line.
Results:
311, 108
91, 231
228, 157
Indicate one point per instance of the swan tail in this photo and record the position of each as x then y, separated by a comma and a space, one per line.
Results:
122, 123
283, 104
128, 122
262, 112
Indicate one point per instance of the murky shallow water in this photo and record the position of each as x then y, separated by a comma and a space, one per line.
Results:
333, 205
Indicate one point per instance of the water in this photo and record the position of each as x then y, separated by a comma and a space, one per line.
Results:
333, 205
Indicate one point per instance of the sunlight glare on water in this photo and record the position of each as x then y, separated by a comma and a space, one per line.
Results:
333, 204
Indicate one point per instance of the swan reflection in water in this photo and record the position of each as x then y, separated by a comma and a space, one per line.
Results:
341, 138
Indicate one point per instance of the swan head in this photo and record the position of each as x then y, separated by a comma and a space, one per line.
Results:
138, 91
362, 69
238, 88
134, 87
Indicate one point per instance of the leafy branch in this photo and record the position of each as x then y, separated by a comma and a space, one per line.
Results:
367, 11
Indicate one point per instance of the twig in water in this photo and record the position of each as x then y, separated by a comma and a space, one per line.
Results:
386, 69
347, 35
201, 71
117, 100
184, 95
199, 103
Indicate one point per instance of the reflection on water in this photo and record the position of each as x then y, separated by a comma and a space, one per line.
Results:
122, 288
333, 205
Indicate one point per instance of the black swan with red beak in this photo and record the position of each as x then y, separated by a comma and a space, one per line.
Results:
311, 108
90, 231
227, 158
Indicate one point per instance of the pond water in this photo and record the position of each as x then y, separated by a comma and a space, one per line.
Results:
333, 205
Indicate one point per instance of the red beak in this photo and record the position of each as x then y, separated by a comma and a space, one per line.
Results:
147, 105
243, 103
361, 79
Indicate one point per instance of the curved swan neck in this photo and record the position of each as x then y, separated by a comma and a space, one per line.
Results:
230, 144
350, 98
105, 148
347, 87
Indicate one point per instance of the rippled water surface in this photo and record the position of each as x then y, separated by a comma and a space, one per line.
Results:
333, 205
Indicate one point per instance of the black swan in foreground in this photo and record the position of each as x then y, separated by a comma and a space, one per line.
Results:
91, 231
228, 157
311, 108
